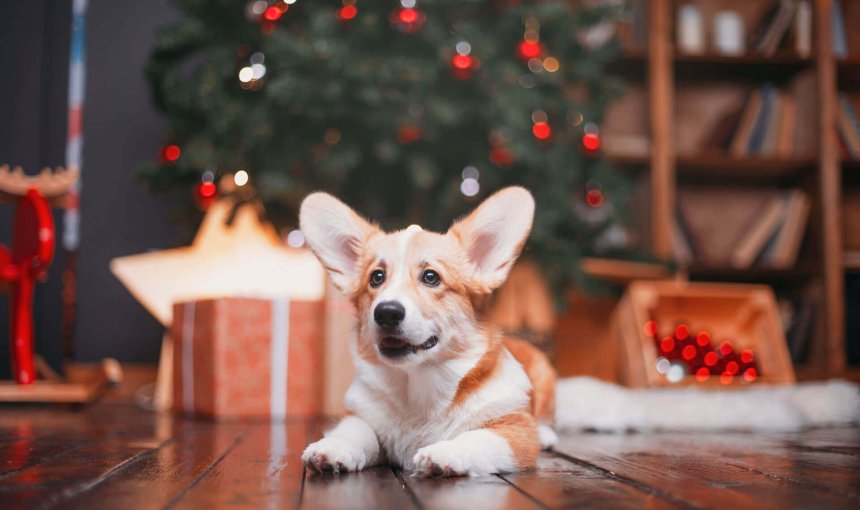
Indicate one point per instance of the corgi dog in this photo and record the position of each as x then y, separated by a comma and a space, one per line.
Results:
438, 390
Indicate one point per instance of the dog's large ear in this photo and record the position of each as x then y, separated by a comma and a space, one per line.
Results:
336, 234
495, 232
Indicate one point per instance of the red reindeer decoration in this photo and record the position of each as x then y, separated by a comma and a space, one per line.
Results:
31, 252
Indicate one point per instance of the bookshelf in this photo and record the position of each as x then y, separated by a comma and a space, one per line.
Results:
674, 84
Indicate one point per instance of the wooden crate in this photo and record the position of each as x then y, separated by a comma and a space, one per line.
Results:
745, 315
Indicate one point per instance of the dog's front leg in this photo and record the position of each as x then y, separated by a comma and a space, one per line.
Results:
503, 445
351, 446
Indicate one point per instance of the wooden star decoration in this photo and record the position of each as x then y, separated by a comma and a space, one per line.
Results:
245, 258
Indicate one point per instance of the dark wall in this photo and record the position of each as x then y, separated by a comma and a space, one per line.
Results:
34, 48
122, 129
118, 214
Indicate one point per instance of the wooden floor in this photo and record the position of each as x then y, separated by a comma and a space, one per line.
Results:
113, 455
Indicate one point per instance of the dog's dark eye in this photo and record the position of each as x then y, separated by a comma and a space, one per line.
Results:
430, 278
377, 278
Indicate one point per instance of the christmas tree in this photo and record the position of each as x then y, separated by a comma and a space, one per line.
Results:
410, 111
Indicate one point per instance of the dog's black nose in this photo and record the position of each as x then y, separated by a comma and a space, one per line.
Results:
389, 314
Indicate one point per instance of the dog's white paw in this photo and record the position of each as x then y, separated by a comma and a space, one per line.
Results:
334, 454
440, 459
546, 436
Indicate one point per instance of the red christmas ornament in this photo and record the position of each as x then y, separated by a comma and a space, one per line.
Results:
171, 153
529, 49
502, 156
703, 374
667, 344
408, 15
206, 193
726, 348
462, 61
274, 13
703, 339
464, 66
347, 12
407, 19
711, 359
750, 374
408, 134
541, 130
726, 378
682, 332
591, 142
747, 356
594, 198
650, 328
689, 352
732, 367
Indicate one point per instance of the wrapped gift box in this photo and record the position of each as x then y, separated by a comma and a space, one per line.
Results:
675, 333
244, 357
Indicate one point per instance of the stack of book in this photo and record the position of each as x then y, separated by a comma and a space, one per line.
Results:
774, 31
766, 125
848, 128
740, 229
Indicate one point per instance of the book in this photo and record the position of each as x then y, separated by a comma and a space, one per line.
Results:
760, 232
803, 29
851, 259
802, 326
848, 131
741, 140
778, 29
852, 122
771, 130
761, 29
759, 130
682, 246
787, 127
837, 29
715, 219
720, 138
790, 236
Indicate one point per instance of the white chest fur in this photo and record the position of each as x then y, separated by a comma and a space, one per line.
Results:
413, 408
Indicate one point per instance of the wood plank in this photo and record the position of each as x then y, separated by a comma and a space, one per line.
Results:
160, 479
559, 483
661, 90
62, 477
34, 436
844, 440
263, 470
376, 487
777, 458
472, 493
832, 353
690, 475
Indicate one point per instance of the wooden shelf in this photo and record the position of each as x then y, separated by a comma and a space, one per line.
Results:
634, 65
669, 77
747, 68
752, 169
798, 274
848, 72
631, 65
629, 161
851, 261
851, 164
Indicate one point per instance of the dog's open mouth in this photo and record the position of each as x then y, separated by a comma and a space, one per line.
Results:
394, 347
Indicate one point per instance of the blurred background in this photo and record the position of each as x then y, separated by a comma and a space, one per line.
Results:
713, 141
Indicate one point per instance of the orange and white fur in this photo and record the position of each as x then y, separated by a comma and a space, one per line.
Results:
437, 390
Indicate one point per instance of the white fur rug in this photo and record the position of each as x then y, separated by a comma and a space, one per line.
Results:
587, 403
